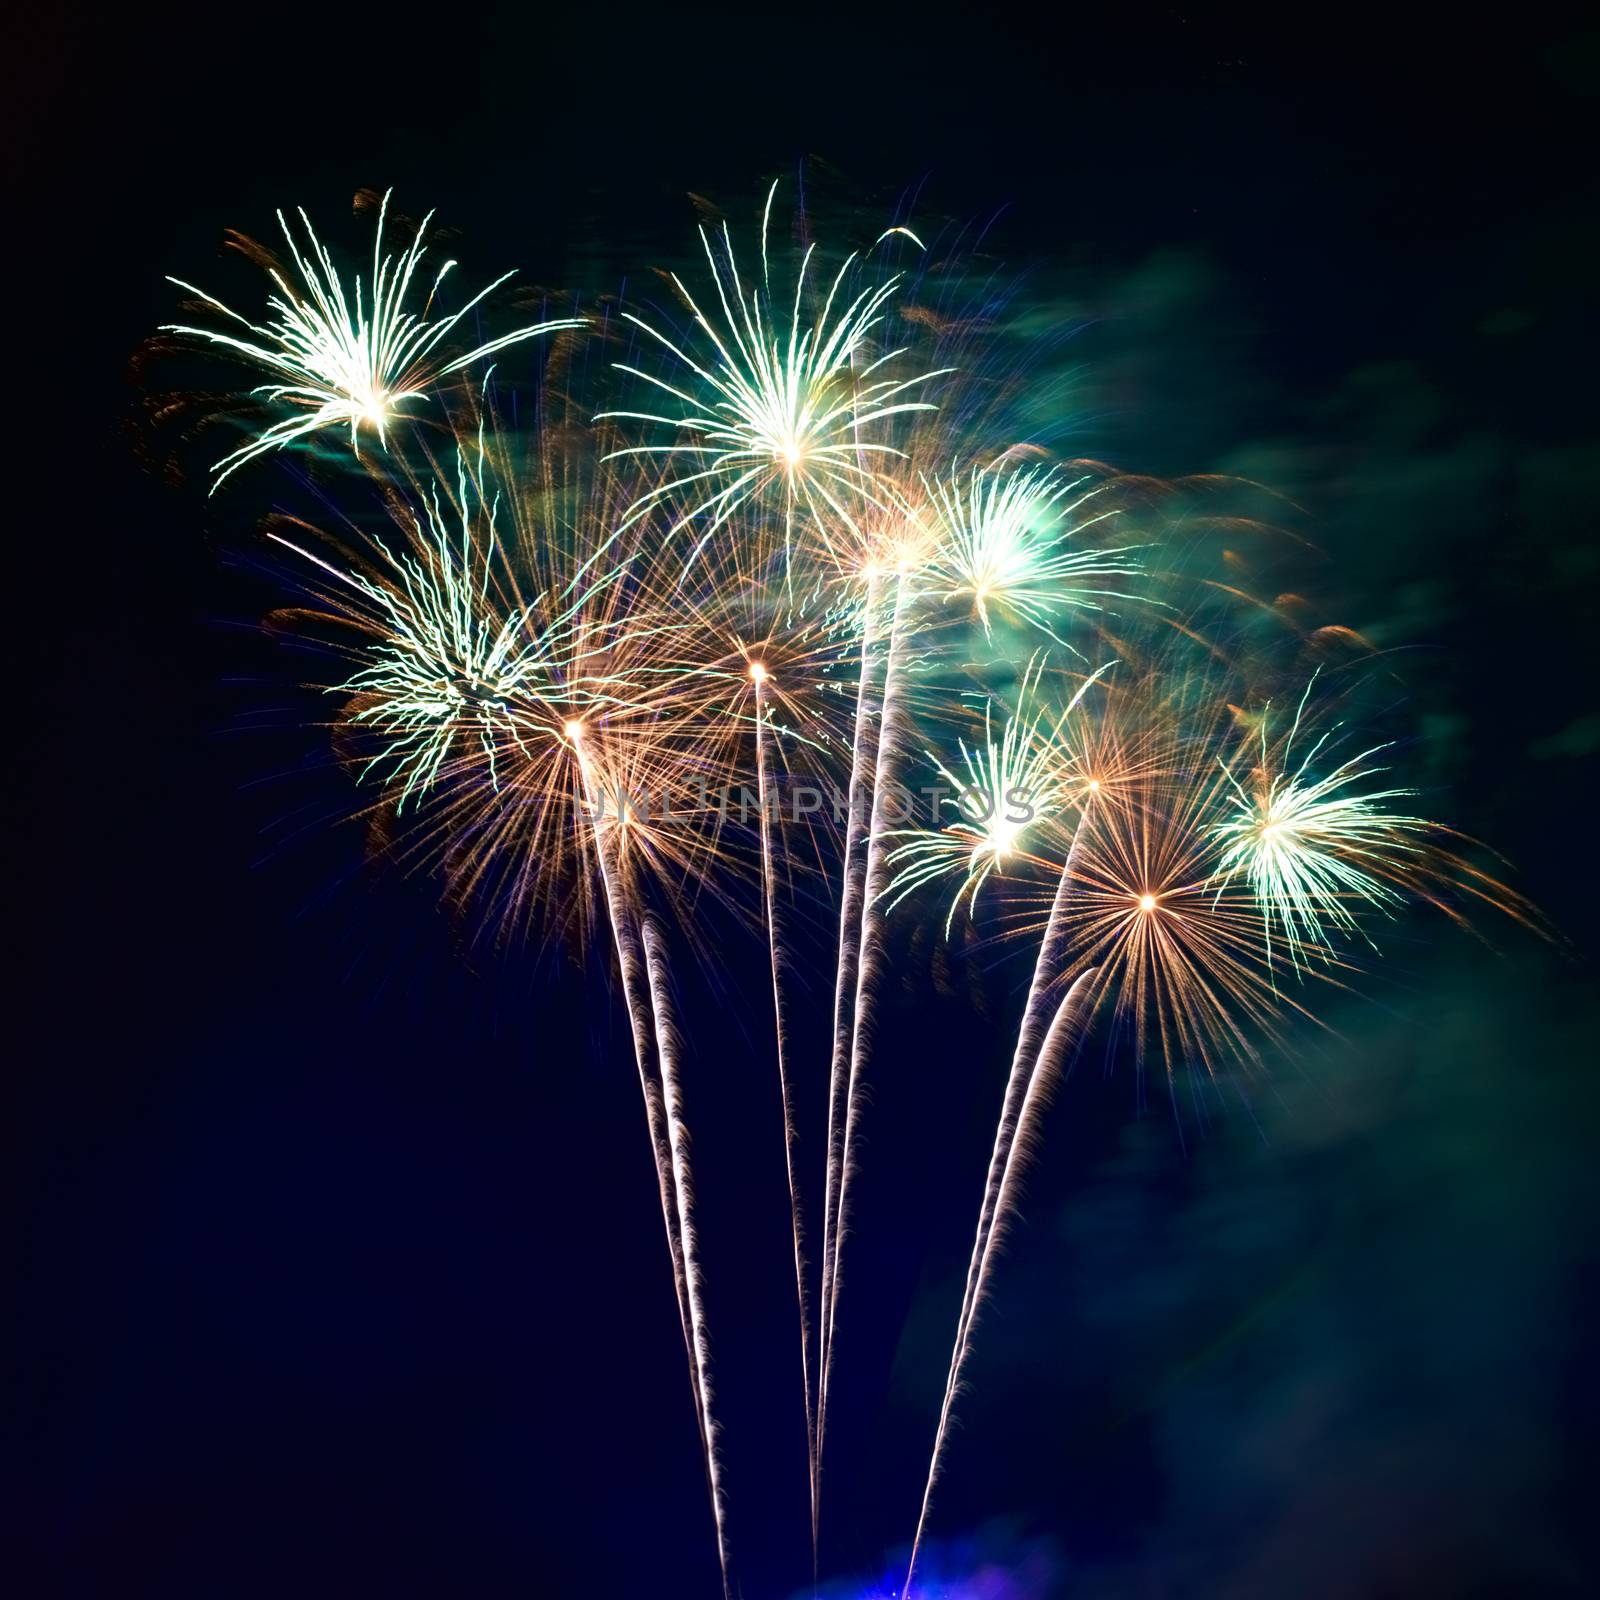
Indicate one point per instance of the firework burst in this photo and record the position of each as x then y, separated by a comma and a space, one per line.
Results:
562, 704
453, 656
345, 358
1316, 849
777, 401
1008, 793
1002, 544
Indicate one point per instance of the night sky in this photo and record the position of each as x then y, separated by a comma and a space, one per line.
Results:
332, 1247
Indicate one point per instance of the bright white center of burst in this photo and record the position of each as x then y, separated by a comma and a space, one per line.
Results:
574, 731
1094, 786
1003, 836
1147, 902
758, 673
789, 449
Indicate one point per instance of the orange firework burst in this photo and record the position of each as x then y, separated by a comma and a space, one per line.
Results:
1180, 957
522, 699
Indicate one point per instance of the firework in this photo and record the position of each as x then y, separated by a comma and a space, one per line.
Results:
1172, 919
453, 656
785, 702
1135, 917
974, 844
1018, 1133
553, 695
618, 647
545, 718
641, 955
868, 962
1310, 848
1038, 776
777, 402
346, 358
1003, 791
1002, 544
1182, 955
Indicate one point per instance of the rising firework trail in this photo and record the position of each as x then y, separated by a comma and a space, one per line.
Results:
647, 993
852, 899
766, 802
867, 963
1022, 1129
667, 1047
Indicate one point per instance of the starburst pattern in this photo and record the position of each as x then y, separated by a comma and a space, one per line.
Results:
555, 706
346, 358
778, 400
1003, 544
1009, 793
1315, 850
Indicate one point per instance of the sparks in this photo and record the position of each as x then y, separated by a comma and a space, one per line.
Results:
1315, 850
1002, 545
346, 358
550, 694
452, 659
778, 400
1008, 790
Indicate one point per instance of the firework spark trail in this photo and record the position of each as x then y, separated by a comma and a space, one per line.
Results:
625, 939
636, 994
758, 675
1048, 966
654, 1033
667, 1041
863, 755
1069, 1018
869, 951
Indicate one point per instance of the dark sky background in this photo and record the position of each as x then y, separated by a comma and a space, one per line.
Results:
333, 1257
